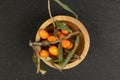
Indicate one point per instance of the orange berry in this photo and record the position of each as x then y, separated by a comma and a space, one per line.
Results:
65, 32
66, 43
53, 50
44, 54
43, 34
70, 47
51, 38
60, 34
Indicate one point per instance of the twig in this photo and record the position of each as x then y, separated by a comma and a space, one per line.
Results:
72, 34
45, 43
50, 14
38, 66
38, 58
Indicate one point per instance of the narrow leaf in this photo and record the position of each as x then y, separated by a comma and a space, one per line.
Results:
55, 60
42, 70
71, 53
64, 6
34, 58
60, 53
60, 25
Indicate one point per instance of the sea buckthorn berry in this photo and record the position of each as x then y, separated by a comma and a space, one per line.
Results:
66, 43
53, 50
44, 54
43, 34
65, 32
51, 38
60, 35
70, 47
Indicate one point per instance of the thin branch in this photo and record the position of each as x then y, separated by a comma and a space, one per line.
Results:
72, 34
50, 14
45, 43
38, 66
38, 58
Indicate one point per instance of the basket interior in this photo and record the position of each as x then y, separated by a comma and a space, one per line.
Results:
73, 27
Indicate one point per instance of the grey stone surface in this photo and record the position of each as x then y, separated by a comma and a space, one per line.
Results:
20, 19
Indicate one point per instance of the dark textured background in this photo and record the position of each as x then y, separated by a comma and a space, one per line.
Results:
20, 19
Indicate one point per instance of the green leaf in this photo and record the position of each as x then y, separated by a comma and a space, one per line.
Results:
60, 25
42, 70
71, 53
64, 6
34, 58
55, 60
60, 53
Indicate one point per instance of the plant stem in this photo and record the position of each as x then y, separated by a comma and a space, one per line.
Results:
46, 43
38, 58
50, 14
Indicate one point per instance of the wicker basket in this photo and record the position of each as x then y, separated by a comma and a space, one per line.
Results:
74, 24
